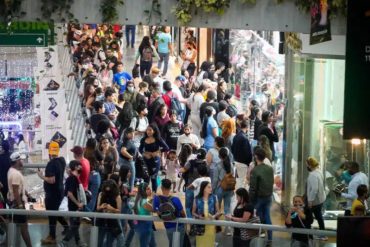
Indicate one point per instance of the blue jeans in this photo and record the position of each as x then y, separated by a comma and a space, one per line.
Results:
94, 185
130, 29
147, 238
170, 232
107, 235
189, 199
226, 196
163, 57
131, 165
145, 67
131, 232
263, 205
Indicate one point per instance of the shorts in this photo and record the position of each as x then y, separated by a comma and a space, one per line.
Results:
18, 219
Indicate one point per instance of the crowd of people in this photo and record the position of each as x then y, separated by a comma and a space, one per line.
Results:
145, 132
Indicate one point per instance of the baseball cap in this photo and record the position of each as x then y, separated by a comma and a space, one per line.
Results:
78, 150
54, 148
182, 79
17, 156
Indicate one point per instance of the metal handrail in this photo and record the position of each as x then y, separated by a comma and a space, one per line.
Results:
94, 215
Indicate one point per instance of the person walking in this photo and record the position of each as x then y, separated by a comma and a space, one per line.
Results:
164, 45
146, 52
315, 192
17, 194
268, 129
261, 188
54, 189
130, 29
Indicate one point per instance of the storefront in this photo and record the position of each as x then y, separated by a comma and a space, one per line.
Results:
314, 124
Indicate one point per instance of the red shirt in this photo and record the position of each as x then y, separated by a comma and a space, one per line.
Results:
85, 173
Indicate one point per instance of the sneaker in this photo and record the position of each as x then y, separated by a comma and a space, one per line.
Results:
48, 240
63, 244
86, 219
322, 238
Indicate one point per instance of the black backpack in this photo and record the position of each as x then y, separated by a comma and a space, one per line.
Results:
166, 209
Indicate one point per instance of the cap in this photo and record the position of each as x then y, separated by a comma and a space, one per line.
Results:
77, 150
17, 156
54, 148
182, 79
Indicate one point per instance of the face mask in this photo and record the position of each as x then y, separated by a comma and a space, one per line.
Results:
130, 89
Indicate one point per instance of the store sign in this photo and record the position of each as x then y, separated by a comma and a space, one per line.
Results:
320, 22
26, 34
357, 86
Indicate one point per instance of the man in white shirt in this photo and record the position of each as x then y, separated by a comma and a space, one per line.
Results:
187, 138
358, 178
17, 194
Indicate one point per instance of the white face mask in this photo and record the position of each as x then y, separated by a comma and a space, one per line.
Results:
130, 89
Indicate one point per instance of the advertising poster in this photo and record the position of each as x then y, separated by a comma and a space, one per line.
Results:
320, 22
357, 86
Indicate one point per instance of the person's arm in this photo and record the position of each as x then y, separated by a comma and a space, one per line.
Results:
113, 209
74, 200
50, 179
352, 191
17, 195
155, 52
100, 207
164, 146
245, 218
209, 158
194, 211
126, 154
288, 219
196, 143
215, 132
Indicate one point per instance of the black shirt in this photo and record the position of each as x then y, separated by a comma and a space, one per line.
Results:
4, 168
172, 131
130, 148
300, 223
95, 119
239, 212
55, 168
72, 185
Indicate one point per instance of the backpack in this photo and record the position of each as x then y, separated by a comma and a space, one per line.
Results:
147, 54
166, 209
173, 103
228, 182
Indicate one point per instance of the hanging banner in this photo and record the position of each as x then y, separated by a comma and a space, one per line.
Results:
320, 22
357, 86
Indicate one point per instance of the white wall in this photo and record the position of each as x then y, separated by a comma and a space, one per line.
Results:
337, 46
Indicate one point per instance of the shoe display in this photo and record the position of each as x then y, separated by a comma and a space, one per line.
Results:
52, 86
48, 240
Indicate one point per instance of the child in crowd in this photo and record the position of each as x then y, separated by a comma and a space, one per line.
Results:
172, 166
204, 176
359, 206
299, 216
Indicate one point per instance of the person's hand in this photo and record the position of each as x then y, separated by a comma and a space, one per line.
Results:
104, 206
310, 204
80, 205
109, 207
200, 217
228, 217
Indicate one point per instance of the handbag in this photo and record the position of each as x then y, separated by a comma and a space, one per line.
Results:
246, 234
197, 230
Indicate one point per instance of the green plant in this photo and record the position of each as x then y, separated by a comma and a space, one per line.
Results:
60, 7
155, 9
337, 7
108, 9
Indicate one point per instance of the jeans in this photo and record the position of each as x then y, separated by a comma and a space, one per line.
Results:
241, 169
131, 165
53, 203
131, 233
163, 57
170, 231
147, 238
73, 230
263, 205
132, 29
145, 68
106, 234
226, 196
94, 185
189, 199
153, 166
316, 210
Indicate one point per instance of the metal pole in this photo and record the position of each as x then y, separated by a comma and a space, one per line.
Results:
176, 238
94, 231
12, 233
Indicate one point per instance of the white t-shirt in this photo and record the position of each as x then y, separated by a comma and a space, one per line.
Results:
15, 177
197, 182
184, 139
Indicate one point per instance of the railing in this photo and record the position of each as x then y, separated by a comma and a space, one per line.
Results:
94, 229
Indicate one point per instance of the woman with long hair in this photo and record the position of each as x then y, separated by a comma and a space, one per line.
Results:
189, 55
109, 201
128, 153
264, 143
194, 103
228, 131
95, 158
89, 99
185, 155
110, 157
206, 206
146, 52
209, 128
242, 213
21, 145
143, 206
151, 147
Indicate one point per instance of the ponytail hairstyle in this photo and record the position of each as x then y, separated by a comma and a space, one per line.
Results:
224, 155
208, 113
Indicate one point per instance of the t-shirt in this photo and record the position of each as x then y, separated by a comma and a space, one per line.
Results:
172, 132
72, 185
130, 148
110, 107
197, 182
163, 40
85, 173
357, 204
222, 116
121, 80
55, 168
15, 177
176, 203
95, 119
239, 212
209, 141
